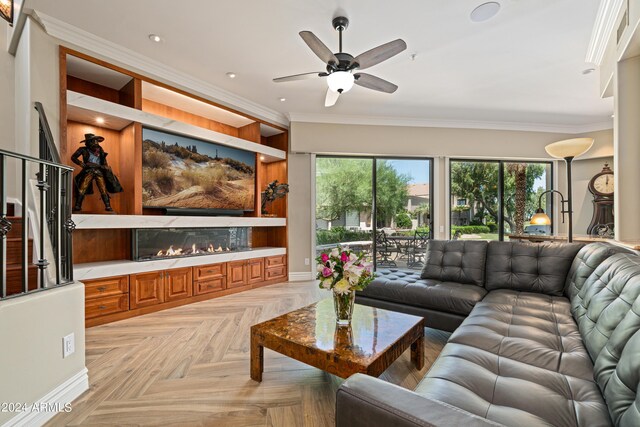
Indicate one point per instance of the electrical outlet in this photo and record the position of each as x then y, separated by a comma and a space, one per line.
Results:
306, 261
442, 228
68, 345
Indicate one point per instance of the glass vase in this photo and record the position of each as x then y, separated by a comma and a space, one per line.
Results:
343, 304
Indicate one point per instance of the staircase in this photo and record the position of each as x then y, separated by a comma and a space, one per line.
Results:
14, 256
35, 246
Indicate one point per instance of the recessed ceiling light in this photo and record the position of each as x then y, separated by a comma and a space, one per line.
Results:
100, 120
588, 71
485, 11
231, 75
262, 158
155, 38
283, 99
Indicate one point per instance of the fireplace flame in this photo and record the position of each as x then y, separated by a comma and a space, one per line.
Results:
194, 250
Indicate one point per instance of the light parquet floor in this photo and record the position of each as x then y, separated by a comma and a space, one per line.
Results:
189, 366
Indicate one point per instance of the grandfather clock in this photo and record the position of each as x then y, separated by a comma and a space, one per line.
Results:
601, 186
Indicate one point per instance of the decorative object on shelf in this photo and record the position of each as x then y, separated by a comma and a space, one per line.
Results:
273, 192
6, 10
344, 272
568, 150
341, 65
601, 186
603, 231
94, 169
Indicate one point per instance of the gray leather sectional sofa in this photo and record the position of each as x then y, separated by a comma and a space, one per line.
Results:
543, 335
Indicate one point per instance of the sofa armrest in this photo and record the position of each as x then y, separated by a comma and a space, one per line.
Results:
364, 401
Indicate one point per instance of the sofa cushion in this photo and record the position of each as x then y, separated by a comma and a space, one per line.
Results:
408, 288
585, 263
538, 267
455, 261
518, 359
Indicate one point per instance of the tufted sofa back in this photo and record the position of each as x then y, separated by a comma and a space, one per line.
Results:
585, 263
607, 310
537, 267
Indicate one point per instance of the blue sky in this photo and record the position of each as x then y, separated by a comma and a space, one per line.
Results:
206, 148
418, 170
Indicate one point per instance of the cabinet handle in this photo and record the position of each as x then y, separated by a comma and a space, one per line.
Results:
101, 288
102, 307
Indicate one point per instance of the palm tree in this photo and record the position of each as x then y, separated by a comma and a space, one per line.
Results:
519, 171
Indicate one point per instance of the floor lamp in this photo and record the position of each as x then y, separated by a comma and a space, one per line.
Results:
567, 150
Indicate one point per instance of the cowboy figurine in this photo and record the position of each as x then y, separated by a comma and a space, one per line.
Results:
94, 169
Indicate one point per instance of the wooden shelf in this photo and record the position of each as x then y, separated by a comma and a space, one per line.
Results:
87, 222
95, 270
82, 104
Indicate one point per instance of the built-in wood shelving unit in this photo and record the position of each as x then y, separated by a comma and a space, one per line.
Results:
125, 102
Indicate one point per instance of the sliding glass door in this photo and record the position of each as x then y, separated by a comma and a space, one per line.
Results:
344, 203
491, 199
395, 228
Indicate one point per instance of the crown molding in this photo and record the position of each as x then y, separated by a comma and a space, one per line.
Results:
454, 124
608, 13
111, 51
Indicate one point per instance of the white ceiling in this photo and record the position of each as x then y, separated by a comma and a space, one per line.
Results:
524, 66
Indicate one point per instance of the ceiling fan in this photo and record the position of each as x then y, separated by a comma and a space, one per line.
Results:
341, 67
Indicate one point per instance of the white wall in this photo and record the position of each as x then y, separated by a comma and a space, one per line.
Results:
439, 143
31, 363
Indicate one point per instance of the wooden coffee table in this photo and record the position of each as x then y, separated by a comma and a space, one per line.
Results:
375, 339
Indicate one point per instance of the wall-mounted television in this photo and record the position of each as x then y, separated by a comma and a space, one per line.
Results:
180, 172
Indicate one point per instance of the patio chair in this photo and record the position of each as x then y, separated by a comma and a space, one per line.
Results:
385, 249
417, 249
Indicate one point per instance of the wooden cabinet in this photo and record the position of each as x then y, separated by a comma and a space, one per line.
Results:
116, 298
237, 274
255, 270
146, 289
209, 278
275, 267
106, 305
106, 296
178, 284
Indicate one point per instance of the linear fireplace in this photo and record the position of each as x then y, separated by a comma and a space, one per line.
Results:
162, 243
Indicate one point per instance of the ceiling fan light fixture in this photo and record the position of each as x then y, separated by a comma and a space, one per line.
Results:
340, 81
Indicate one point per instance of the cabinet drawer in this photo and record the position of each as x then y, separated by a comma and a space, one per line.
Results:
106, 305
275, 272
147, 289
275, 261
111, 286
211, 285
209, 271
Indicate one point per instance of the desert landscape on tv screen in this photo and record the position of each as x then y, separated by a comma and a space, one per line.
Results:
182, 172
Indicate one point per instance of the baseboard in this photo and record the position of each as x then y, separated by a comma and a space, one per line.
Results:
301, 276
58, 397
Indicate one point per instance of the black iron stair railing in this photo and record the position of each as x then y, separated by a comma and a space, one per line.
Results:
46, 187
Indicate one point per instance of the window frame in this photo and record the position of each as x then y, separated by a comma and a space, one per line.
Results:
501, 175
374, 190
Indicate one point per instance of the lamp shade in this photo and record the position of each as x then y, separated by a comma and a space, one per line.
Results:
540, 218
569, 147
6, 10
340, 81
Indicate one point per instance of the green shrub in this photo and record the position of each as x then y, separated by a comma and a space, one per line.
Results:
470, 229
403, 220
493, 227
340, 235
412, 232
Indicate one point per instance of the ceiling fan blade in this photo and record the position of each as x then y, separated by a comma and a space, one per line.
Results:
380, 53
319, 48
302, 76
331, 98
375, 83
